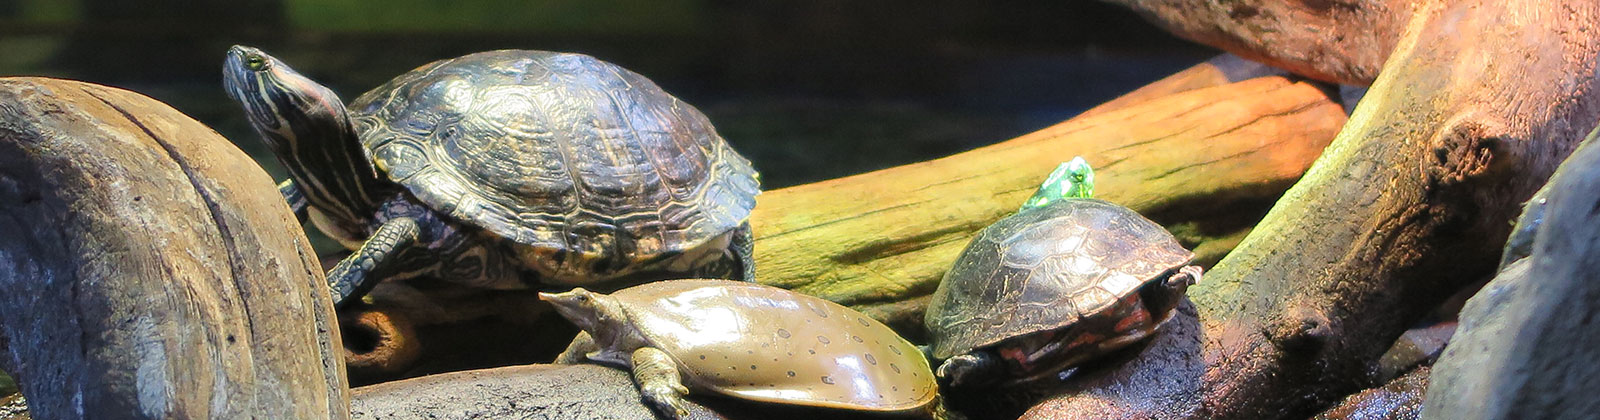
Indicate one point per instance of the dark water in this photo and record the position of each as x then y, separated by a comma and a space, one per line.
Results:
809, 90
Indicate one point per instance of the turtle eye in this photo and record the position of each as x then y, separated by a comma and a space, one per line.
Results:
255, 62
582, 298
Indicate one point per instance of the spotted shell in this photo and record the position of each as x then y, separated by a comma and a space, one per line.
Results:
1047, 268
563, 154
769, 344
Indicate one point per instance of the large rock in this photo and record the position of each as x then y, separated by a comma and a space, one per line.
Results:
151, 269
1526, 345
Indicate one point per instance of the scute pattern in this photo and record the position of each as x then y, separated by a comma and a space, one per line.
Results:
1045, 268
562, 153
769, 344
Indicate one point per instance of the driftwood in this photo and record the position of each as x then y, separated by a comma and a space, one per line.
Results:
1416, 348
1526, 348
1195, 161
1477, 104
1338, 41
146, 275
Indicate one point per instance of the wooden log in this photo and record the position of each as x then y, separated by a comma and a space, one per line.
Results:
1339, 41
1476, 106
881, 241
150, 269
1526, 345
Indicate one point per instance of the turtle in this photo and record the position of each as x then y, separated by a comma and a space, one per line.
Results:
747, 341
508, 169
1064, 280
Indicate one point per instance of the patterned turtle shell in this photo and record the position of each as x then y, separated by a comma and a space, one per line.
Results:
1047, 268
562, 154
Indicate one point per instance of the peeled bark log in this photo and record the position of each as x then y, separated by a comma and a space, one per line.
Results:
150, 271
1526, 348
880, 241
1476, 106
1339, 41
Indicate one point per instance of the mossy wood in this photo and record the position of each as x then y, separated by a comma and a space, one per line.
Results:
881, 241
150, 272
1477, 104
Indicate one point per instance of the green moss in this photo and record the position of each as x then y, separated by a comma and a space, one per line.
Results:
523, 16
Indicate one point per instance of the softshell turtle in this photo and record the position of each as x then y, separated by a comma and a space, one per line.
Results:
502, 169
749, 341
1065, 279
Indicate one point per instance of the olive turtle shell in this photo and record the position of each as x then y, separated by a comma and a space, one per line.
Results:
558, 152
1047, 268
769, 344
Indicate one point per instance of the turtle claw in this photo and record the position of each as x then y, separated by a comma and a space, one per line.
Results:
1189, 273
963, 369
667, 400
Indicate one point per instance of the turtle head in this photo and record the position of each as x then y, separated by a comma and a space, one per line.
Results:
307, 128
1074, 179
592, 312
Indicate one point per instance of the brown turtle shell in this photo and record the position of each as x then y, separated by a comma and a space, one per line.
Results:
562, 154
1047, 268
769, 344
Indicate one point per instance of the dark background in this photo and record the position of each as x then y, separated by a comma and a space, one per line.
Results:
807, 89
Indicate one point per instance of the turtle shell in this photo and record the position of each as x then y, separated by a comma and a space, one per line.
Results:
1047, 268
561, 153
768, 344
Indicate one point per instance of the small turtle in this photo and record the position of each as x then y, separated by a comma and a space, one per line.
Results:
748, 341
1064, 280
504, 169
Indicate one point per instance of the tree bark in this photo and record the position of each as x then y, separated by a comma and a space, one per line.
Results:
147, 275
1339, 41
1476, 106
1526, 347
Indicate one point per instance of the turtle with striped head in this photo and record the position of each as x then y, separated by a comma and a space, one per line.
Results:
505, 169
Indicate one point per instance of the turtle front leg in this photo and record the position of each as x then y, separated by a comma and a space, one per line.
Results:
975, 368
578, 351
297, 200
743, 248
659, 382
359, 273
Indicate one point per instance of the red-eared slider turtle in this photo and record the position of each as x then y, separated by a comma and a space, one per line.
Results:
503, 169
1065, 279
749, 341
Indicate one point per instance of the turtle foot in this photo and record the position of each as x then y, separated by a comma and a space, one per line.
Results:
666, 399
967, 369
